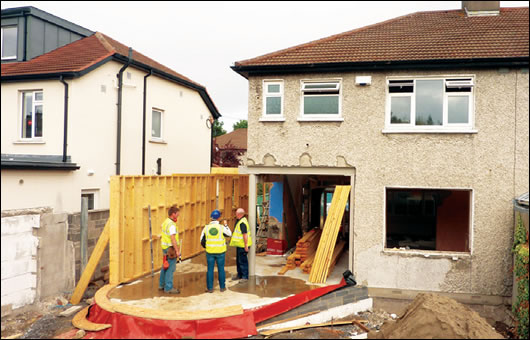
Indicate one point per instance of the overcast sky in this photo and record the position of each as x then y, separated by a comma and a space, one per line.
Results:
201, 40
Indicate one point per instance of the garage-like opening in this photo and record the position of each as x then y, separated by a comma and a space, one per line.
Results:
428, 219
289, 206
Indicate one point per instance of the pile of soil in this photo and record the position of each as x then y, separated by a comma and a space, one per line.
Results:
432, 316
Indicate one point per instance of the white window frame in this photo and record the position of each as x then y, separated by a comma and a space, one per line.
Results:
161, 138
94, 192
21, 117
446, 127
2, 43
431, 253
272, 117
325, 116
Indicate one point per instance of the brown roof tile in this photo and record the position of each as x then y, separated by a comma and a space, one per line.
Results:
236, 138
418, 36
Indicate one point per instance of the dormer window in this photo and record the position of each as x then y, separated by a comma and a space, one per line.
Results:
9, 42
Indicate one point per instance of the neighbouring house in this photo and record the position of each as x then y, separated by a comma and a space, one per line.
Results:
426, 117
71, 118
230, 148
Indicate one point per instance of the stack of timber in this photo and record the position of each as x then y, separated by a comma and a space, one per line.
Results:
322, 262
305, 249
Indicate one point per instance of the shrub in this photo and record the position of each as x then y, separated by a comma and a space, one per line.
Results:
520, 308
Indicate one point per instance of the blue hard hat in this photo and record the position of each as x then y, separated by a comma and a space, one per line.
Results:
215, 214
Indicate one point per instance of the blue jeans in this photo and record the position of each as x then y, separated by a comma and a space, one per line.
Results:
166, 275
210, 260
242, 263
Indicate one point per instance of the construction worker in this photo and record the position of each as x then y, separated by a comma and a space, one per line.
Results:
242, 240
213, 239
169, 241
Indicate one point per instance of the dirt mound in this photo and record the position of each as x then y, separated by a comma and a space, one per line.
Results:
432, 316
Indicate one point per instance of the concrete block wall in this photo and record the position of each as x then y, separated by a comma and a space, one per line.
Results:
19, 260
96, 223
336, 298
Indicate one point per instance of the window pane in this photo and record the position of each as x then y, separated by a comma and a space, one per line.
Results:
38, 96
458, 110
429, 102
273, 88
9, 41
90, 200
326, 105
320, 86
274, 105
400, 110
27, 106
38, 120
157, 123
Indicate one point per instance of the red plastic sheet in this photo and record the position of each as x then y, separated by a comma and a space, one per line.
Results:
238, 326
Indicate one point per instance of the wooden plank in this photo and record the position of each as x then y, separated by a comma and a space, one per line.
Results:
91, 265
296, 317
361, 326
79, 321
281, 330
114, 235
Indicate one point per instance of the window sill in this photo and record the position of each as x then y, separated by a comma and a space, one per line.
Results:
157, 141
272, 119
320, 119
432, 254
29, 141
9, 58
468, 131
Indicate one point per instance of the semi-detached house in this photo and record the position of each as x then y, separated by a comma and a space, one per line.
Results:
426, 117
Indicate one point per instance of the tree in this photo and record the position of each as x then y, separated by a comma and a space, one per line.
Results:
218, 128
242, 124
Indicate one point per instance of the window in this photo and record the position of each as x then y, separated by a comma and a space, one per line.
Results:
156, 129
428, 219
92, 196
32, 112
9, 42
272, 99
430, 104
321, 100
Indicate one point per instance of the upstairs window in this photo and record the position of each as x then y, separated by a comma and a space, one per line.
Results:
321, 99
156, 128
32, 113
430, 104
9, 42
272, 99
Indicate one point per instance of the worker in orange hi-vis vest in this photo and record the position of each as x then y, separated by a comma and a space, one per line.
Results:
169, 241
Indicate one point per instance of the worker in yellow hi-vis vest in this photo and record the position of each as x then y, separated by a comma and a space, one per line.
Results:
169, 241
242, 240
213, 239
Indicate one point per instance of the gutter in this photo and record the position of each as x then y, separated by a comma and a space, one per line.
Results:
120, 94
144, 121
252, 70
65, 139
25, 15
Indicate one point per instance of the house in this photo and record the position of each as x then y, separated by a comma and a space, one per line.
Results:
426, 117
73, 115
231, 148
28, 32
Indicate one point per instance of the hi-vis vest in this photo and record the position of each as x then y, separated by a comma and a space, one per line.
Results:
165, 239
215, 240
237, 237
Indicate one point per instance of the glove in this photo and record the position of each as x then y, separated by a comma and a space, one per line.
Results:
166, 264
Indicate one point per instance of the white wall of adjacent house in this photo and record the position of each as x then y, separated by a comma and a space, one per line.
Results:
92, 136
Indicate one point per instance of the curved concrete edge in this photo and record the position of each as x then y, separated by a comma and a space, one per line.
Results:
101, 298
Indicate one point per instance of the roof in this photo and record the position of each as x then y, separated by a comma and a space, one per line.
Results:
422, 36
83, 55
36, 162
30, 10
237, 139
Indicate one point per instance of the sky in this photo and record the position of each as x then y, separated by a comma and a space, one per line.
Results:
202, 39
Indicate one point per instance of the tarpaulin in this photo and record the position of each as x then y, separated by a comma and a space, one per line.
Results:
132, 327
237, 326
285, 305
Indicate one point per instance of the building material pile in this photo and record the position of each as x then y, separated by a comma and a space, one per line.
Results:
432, 316
339, 247
305, 250
322, 263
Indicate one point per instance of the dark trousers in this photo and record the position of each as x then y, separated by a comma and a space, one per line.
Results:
242, 263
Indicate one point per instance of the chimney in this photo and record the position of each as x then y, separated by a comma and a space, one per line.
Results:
481, 8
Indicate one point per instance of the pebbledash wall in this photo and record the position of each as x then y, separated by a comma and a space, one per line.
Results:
493, 163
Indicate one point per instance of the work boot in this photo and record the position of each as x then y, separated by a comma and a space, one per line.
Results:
243, 280
223, 289
160, 288
235, 277
173, 291
208, 290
